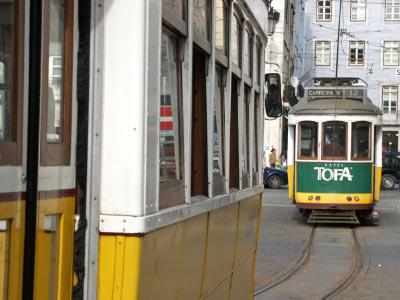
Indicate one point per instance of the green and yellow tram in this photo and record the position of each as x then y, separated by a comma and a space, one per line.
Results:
334, 152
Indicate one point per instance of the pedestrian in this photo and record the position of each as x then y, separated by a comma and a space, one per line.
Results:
272, 158
282, 159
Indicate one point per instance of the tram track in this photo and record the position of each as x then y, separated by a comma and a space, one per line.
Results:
348, 278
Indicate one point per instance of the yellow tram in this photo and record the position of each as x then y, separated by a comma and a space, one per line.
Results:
335, 152
130, 148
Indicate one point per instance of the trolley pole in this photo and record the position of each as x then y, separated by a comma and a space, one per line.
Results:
338, 39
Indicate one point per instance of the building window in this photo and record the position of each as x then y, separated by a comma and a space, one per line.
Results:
57, 82
391, 53
324, 10
357, 53
257, 60
176, 6
171, 154
334, 140
322, 53
308, 140
392, 10
201, 14
236, 41
221, 26
361, 141
248, 50
218, 135
245, 138
390, 95
357, 10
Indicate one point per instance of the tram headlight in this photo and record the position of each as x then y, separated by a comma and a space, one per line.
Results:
349, 198
356, 198
317, 198
310, 198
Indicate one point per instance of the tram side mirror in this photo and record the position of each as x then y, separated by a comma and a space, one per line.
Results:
273, 100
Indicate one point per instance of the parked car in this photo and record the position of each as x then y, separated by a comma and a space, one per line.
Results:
275, 178
390, 170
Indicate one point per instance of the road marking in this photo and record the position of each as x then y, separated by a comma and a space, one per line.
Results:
277, 205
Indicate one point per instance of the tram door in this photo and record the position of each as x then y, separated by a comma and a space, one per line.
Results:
37, 174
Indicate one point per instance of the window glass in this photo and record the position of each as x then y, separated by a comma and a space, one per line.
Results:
324, 10
169, 111
200, 17
247, 48
390, 141
390, 95
334, 140
255, 145
356, 53
308, 147
245, 133
221, 24
322, 53
218, 126
235, 41
257, 64
357, 10
361, 146
175, 6
7, 70
392, 10
55, 106
391, 53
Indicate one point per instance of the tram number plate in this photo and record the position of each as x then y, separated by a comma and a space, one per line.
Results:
356, 94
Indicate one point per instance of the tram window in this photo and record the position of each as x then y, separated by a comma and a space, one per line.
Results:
236, 41
57, 82
11, 78
201, 14
255, 144
171, 190
245, 138
221, 26
334, 140
308, 143
361, 140
199, 176
218, 134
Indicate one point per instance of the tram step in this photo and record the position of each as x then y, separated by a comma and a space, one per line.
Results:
332, 216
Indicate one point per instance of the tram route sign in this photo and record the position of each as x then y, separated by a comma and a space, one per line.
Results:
354, 93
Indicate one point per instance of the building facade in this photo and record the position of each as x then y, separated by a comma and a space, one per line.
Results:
369, 43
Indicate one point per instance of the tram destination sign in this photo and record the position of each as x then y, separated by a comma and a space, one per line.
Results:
354, 94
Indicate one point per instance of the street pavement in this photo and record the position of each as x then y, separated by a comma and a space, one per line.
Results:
284, 235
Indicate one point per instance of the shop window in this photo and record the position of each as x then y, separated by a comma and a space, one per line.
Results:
236, 41
334, 140
245, 139
11, 81
218, 135
171, 153
308, 140
221, 26
234, 138
57, 82
390, 141
199, 176
361, 141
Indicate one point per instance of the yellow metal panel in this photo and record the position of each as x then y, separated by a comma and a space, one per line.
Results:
14, 211
333, 198
220, 292
248, 225
378, 183
106, 267
242, 284
172, 261
290, 182
119, 267
130, 287
220, 245
64, 207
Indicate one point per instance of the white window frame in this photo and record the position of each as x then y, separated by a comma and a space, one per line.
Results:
392, 7
391, 50
394, 89
358, 6
356, 63
324, 8
323, 54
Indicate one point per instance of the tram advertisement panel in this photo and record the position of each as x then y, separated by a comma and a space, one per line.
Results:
322, 177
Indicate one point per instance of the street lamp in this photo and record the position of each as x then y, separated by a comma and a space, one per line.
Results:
273, 18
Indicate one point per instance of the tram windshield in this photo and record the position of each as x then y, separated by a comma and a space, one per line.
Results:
334, 140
